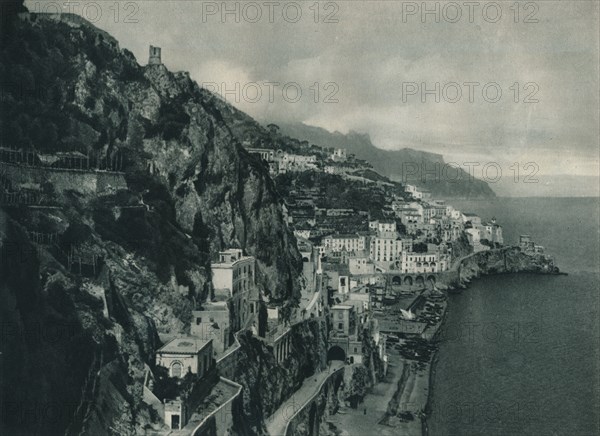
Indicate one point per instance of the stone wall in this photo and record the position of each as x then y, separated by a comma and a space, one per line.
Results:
84, 182
228, 363
220, 421
308, 420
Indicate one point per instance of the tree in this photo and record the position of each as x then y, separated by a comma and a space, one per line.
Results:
420, 247
273, 128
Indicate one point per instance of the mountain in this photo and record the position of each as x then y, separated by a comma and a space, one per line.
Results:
421, 168
153, 185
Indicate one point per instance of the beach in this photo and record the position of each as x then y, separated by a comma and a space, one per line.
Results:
398, 404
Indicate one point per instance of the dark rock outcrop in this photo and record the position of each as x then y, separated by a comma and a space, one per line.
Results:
503, 261
267, 383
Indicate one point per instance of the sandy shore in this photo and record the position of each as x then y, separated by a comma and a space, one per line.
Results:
398, 404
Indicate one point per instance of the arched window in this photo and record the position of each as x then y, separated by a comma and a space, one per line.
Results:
176, 369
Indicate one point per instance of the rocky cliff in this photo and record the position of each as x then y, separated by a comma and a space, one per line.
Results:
505, 260
267, 383
113, 267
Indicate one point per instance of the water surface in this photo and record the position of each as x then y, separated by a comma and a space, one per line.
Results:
520, 353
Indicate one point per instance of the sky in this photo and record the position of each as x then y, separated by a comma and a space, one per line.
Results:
515, 82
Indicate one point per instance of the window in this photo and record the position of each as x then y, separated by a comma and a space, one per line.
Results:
340, 326
176, 369
198, 321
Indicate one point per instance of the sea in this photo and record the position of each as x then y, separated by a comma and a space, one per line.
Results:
519, 354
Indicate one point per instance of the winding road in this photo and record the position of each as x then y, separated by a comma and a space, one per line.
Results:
277, 422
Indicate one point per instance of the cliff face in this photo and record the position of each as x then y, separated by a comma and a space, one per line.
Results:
267, 383
191, 191
175, 146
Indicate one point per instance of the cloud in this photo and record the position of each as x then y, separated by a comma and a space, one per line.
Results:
363, 60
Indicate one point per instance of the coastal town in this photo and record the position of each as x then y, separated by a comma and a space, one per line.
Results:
217, 276
377, 276
382, 285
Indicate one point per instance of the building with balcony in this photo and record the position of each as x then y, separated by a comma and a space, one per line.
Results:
418, 263
348, 242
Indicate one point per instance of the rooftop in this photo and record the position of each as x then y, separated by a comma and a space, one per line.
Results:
186, 345
402, 326
342, 307
229, 264
345, 236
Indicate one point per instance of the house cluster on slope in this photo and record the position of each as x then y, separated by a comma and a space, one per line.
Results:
233, 307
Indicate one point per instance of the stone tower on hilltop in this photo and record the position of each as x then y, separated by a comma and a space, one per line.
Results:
154, 58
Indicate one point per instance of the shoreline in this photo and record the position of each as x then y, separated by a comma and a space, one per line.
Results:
435, 357
410, 403
432, 371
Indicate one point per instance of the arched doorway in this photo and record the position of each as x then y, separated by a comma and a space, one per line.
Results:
420, 281
396, 280
408, 280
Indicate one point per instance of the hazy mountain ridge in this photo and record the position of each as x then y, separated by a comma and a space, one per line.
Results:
395, 164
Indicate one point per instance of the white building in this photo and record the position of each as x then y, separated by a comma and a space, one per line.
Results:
493, 232
409, 216
386, 226
350, 242
264, 153
303, 233
455, 214
472, 218
295, 162
360, 265
187, 354
339, 155
413, 191
418, 263
474, 237
234, 282
388, 249
343, 284
213, 323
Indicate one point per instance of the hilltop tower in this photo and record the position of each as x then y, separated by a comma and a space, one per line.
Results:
154, 58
